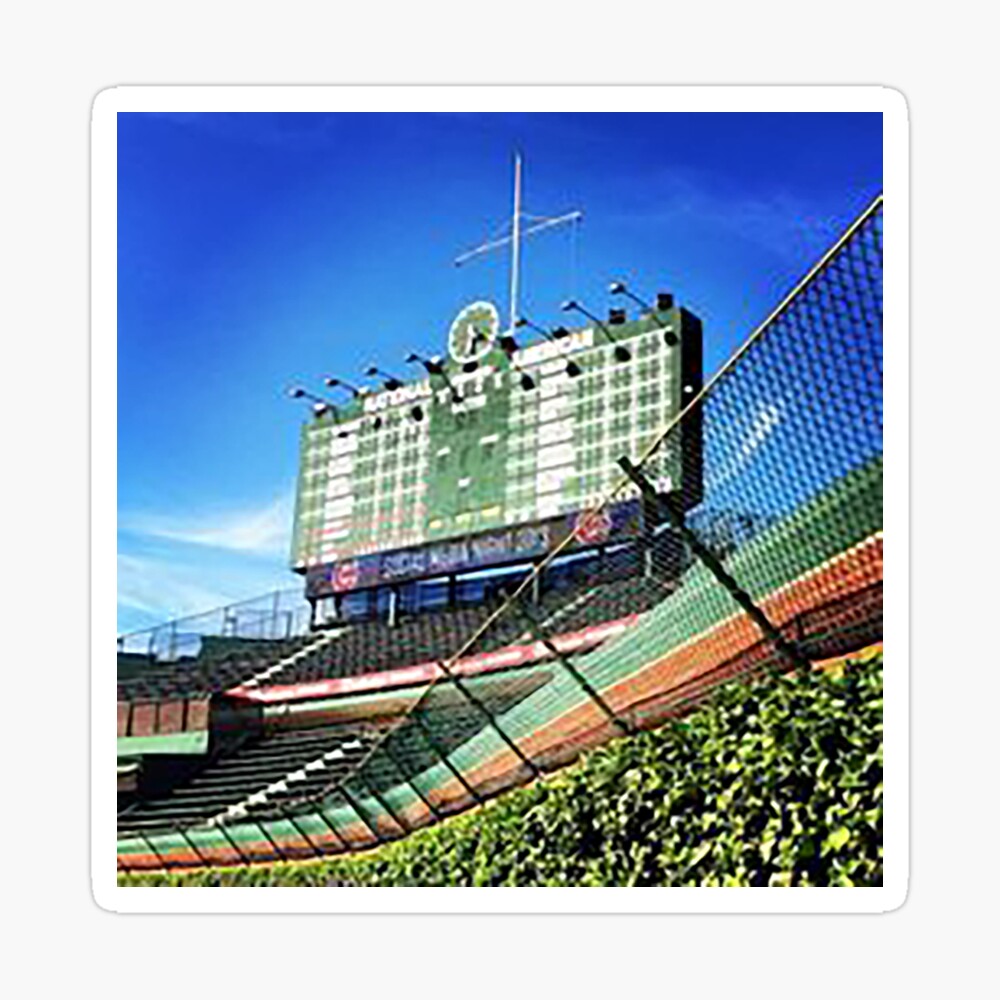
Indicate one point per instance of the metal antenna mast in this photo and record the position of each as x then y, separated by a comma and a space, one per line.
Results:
517, 234
515, 246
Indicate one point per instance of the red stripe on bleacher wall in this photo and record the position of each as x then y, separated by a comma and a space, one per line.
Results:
424, 673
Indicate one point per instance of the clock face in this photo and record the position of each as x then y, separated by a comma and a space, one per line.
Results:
473, 332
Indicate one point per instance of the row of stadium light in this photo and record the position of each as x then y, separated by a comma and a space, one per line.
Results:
508, 344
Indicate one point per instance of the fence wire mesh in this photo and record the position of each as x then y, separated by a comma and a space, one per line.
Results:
764, 551
274, 616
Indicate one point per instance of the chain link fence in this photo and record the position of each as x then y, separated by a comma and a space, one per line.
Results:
274, 616
765, 555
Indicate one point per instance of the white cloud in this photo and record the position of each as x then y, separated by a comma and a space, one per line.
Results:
172, 565
160, 588
777, 220
155, 588
263, 530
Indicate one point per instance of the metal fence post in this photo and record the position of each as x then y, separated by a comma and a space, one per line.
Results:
714, 565
326, 822
221, 827
357, 809
190, 843
156, 854
535, 629
274, 615
280, 854
518, 752
412, 784
444, 758
298, 829
380, 799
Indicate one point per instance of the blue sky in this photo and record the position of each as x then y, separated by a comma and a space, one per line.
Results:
255, 251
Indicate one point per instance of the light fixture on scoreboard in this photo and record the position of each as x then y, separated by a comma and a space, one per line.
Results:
334, 383
297, 392
664, 303
389, 381
321, 406
559, 333
435, 366
620, 288
510, 347
621, 353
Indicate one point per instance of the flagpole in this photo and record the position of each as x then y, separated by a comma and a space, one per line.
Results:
516, 235
515, 259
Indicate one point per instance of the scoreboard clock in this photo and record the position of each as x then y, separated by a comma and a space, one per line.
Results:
420, 479
474, 332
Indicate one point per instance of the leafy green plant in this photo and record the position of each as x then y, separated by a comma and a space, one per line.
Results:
777, 782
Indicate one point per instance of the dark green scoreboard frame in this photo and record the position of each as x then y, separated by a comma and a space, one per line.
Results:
406, 484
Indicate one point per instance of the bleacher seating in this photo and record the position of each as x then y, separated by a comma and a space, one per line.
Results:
254, 768
590, 595
370, 647
146, 679
575, 595
271, 772
596, 603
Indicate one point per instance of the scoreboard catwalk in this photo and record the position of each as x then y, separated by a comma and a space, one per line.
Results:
497, 454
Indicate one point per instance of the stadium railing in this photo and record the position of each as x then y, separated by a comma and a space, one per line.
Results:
276, 615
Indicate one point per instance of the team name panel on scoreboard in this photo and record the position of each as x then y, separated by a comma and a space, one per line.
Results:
409, 476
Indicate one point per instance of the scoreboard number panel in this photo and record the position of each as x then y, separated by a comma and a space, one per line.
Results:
413, 468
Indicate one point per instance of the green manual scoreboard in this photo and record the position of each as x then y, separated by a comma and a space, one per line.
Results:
496, 454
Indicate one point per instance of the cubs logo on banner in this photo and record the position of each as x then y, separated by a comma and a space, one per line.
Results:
592, 526
345, 576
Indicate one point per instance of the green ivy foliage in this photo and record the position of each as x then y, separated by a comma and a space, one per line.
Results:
773, 783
